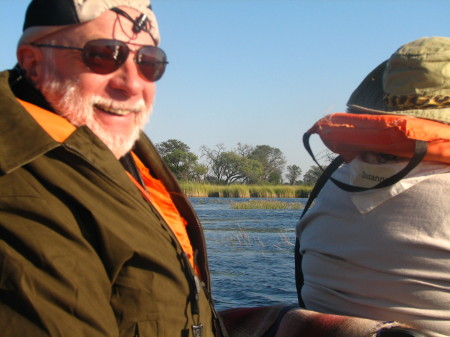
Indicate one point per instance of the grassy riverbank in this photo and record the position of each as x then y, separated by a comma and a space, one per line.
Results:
245, 191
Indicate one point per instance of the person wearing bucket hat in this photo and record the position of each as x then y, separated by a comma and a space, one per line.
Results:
376, 242
97, 238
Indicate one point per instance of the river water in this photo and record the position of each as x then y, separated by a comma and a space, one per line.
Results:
251, 252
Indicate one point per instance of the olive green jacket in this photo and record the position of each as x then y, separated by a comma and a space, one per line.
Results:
81, 252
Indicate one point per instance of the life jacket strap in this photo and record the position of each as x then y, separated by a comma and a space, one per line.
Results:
420, 150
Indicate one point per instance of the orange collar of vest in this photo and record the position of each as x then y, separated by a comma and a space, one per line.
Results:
351, 134
56, 126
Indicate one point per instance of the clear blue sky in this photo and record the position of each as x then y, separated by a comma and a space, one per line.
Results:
261, 72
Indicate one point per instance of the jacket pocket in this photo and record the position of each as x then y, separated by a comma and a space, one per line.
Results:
149, 327
136, 312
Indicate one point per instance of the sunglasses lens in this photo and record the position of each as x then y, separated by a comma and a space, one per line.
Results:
152, 62
104, 56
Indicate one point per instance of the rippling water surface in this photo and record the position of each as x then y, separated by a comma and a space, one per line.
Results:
251, 252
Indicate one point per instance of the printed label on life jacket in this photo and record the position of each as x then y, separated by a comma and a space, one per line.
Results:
368, 175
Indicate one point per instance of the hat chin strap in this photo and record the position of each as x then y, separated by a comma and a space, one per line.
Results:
420, 150
139, 24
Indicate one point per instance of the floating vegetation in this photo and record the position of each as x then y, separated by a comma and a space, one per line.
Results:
266, 204
244, 239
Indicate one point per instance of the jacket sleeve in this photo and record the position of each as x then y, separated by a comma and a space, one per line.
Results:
52, 281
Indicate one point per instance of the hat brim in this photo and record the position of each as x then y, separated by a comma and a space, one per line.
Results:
368, 98
34, 34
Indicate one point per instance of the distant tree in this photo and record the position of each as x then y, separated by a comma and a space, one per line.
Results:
236, 168
293, 174
244, 149
246, 164
272, 160
212, 158
179, 158
312, 175
227, 167
199, 173
252, 170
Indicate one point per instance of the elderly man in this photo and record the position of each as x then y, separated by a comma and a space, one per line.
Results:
97, 238
376, 243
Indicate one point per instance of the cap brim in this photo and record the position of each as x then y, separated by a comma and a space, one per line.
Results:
34, 34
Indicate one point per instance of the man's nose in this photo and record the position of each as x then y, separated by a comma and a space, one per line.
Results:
128, 78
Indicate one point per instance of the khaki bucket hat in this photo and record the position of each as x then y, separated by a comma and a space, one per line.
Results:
414, 81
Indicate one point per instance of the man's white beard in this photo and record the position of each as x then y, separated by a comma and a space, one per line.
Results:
66, 100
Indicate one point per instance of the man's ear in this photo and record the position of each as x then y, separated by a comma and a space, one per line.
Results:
30, 60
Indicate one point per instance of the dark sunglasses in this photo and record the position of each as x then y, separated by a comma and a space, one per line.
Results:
105, 56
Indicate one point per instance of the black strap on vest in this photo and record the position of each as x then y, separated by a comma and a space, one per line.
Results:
420, 151
334, 165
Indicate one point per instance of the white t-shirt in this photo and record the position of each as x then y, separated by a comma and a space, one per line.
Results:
382, 254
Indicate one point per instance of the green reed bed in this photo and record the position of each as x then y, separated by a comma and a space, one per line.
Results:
245, 191
266, 204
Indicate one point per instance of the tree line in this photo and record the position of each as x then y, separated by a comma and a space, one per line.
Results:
246, 164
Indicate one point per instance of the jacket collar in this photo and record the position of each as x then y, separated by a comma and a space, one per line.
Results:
21, 137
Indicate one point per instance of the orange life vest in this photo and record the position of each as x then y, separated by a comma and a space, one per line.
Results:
351, 134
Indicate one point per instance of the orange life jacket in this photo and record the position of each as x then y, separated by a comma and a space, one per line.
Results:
351, 134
